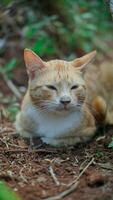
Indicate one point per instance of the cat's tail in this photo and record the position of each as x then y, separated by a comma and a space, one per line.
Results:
99, 109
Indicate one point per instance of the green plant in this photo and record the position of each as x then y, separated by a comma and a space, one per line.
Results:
6, 193
91, 24
6, 2
13, 110
110, 145
8, 67
38, 39
99, 154
9, 102
77, 26
11, 106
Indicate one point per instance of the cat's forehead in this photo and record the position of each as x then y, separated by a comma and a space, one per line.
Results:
59, 71
59, 65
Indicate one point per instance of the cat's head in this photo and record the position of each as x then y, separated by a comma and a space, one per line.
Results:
57, 86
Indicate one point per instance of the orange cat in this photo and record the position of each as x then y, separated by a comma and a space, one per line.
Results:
60, 106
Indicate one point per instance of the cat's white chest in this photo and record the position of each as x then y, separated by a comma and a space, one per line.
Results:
53, 126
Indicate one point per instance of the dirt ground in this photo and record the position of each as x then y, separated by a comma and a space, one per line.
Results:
43, 171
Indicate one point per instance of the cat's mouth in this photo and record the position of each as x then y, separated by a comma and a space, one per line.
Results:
67, 108
63, 108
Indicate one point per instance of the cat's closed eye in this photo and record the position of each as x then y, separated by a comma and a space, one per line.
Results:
51, 87
74, 87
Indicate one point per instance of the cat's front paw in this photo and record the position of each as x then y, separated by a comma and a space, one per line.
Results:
24, 133
60, 142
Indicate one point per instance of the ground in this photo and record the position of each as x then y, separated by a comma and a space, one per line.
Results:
44, 171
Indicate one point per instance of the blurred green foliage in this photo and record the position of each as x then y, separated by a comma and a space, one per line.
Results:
61, 28
9, 102
12, 110
6, 193
76, 25
8, 67
6, 2
13, 107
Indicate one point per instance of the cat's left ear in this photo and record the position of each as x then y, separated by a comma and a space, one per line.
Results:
82, 62
33, 62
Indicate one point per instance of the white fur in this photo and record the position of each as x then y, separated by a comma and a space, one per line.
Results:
52, 127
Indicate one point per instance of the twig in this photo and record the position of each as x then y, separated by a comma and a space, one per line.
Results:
13, 145
82, 172
63, 194
54, 176
72, 186
3, 150
21, 175
4, 142
12, 87
107, 166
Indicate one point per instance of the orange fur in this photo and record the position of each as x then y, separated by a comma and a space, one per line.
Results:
99, 81
99, 109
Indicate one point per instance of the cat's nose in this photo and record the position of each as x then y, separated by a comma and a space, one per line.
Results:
65, 100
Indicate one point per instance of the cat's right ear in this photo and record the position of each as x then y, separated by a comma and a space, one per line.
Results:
33, 63
83, 62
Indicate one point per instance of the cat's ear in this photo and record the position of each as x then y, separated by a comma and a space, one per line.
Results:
82, 62
33, 63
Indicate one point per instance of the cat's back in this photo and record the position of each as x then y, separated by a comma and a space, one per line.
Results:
99, 79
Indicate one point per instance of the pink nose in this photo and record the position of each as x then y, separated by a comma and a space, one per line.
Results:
65, 100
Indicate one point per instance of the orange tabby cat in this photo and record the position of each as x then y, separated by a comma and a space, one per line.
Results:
61, 105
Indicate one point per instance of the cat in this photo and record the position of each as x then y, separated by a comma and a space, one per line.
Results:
60, 106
